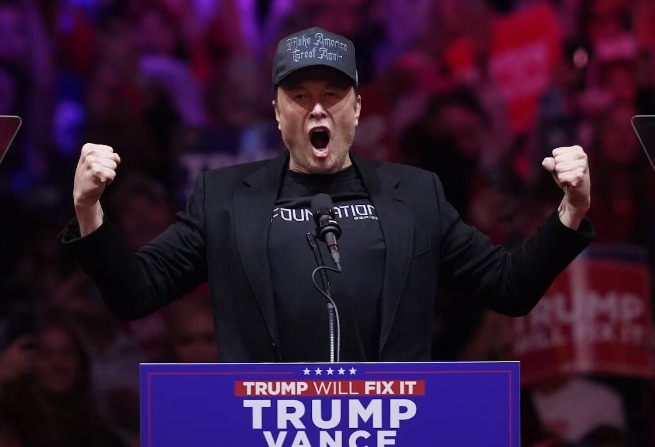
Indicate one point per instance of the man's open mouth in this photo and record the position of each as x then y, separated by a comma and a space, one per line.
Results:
319, 137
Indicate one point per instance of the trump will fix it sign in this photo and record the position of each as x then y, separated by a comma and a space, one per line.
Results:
595, 318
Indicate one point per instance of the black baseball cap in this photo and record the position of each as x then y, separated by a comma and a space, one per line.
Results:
314, 47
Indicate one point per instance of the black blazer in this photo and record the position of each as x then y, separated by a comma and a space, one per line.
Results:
222, 238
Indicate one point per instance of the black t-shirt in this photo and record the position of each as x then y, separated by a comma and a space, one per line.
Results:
301, 309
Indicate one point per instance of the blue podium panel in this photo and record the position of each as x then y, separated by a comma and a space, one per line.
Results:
462, 404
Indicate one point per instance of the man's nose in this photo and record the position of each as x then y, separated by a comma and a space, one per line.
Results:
318, 111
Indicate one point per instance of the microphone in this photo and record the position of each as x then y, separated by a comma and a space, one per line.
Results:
328, 229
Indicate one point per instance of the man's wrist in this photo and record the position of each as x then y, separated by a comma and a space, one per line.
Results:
571, 216
89, 218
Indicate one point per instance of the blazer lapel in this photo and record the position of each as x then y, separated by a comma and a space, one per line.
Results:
253, 207
397, 226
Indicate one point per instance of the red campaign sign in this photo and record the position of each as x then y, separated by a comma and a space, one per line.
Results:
330, 404
595, 318
525, 48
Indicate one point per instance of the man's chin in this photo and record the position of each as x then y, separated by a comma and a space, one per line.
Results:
314, 165
327, 165
316, 161
318, 168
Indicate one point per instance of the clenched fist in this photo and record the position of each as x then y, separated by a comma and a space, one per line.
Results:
570, 169
95, 170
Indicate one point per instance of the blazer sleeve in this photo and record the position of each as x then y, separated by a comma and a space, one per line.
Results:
134, 285
508, 282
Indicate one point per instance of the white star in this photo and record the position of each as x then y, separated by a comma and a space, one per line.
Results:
330, 371
318, 371
341, 371
352, 371
306, 371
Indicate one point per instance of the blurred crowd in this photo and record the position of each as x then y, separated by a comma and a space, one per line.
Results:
477, 91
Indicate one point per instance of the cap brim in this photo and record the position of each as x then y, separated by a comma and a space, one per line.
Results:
314, 65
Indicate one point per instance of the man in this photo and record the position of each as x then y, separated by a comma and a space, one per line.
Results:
244, 231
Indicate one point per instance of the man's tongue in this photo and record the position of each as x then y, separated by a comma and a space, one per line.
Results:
320, 140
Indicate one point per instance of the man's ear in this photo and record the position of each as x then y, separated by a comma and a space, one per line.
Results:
277, 113
358, 109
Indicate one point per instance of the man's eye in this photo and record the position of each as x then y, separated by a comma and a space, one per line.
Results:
298, 96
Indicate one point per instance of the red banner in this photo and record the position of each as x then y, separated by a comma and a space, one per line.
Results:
525, 48
329, 387
595, 318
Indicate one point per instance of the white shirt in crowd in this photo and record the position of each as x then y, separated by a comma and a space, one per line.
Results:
579, 406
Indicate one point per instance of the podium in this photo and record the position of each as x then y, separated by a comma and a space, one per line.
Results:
461, 404
9, 126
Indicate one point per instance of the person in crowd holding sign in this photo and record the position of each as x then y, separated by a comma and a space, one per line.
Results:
244, 231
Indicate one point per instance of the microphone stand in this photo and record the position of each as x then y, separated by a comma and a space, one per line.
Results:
333, 316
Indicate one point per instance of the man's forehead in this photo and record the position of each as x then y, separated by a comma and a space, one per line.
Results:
315, 74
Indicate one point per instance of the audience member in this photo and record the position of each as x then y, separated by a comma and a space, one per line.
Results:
190, 331
59, 398
571, 407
